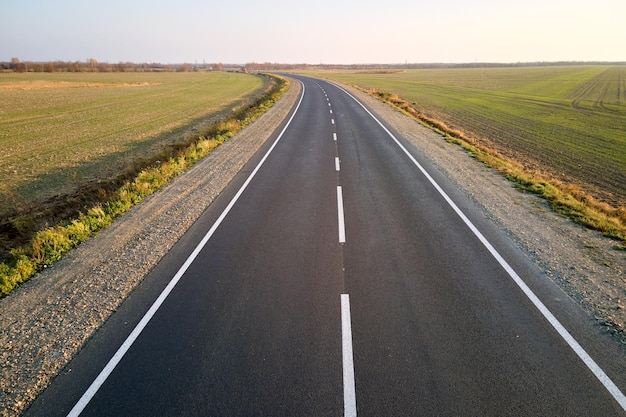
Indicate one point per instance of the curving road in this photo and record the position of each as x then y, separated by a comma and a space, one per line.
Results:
339, 274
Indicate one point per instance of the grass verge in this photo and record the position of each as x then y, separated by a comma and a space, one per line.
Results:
565, 199
49, 245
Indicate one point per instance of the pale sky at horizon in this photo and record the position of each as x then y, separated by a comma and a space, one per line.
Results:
323, 31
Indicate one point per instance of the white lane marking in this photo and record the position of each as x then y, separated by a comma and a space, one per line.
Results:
117, 357
337, 164
349, 391
332, 121
335, 137
547, 314
331, 111
328, 104
340, 218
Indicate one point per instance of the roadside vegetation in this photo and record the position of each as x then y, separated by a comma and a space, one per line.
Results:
557, 132
176, 126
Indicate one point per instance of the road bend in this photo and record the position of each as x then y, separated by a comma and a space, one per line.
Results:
340, 274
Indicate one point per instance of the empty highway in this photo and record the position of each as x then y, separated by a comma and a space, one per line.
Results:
340, 275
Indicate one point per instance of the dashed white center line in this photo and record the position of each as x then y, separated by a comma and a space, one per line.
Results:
591, 364
342, 226
349, 389
349, 392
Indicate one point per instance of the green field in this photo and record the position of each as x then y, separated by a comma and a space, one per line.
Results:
61, 130
100, 144
567, 121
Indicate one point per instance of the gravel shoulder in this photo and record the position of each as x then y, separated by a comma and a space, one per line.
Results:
581, 261
46, 321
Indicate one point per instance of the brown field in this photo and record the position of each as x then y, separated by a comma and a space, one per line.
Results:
61, 85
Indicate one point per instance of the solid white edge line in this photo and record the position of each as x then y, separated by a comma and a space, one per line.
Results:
337, 164
117, 357
340, 217
349, 390
561, 330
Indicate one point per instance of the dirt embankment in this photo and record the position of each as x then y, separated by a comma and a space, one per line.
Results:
46, 321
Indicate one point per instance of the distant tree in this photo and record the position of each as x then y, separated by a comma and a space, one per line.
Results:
49, 67
72, 66
17, 66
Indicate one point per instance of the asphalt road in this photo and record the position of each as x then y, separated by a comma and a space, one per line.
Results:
340, 275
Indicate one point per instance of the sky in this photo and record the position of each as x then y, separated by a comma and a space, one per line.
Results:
313, 32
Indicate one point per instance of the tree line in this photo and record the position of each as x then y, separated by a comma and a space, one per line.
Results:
93, 65
269, 66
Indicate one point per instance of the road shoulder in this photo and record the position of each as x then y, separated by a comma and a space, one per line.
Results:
45, 322
580, 261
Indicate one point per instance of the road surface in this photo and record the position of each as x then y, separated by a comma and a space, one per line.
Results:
339, 274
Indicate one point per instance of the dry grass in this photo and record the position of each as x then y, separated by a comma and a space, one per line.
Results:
62, 85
